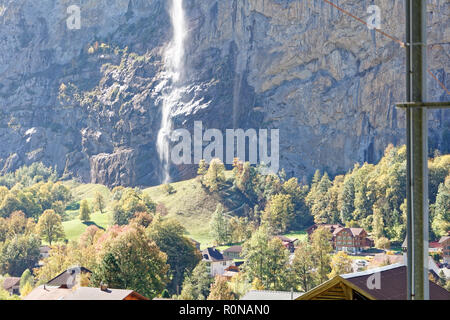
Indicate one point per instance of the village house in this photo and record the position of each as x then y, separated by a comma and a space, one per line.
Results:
216, 263
445, 245
234, 252
352, 240
44, 252
12, 285
288, 243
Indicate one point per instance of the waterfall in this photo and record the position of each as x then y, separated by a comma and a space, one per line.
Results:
173, 62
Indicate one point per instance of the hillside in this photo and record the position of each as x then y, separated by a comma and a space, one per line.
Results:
190, 204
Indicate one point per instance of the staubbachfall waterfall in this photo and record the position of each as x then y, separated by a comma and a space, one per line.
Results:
174, 63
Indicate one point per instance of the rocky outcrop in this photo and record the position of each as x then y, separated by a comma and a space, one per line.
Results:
88, 101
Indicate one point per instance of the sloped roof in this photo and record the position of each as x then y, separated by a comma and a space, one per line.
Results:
212, 254
234, 249
66, 277
81, 293
354, 231
86, 293
45, 292
285, 239
271, 295
10, 282
393, 285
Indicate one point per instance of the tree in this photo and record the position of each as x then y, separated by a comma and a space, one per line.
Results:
168, 189
18, 254
99, 202
321, 248
202, 168
266, 259
220, 290
26, 278
220, 228
302, 267
382, 243
279, 213
196, 284
298, 193
441, 220
215, 175
50, 227
26, 289
346, 199
85, 211
182, 255
340, 264
133, 261
378, 223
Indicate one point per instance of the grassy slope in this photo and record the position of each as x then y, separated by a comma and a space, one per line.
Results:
74, 227
191, 205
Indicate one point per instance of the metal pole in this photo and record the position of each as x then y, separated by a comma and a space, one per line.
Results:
417, 152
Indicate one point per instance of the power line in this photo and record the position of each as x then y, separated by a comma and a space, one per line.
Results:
401, 43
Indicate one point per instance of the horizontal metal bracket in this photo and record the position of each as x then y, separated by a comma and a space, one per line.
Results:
429, 105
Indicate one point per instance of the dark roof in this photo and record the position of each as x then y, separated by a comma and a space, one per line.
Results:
393, 283
212, 254
10, 282
66, 277
237, 249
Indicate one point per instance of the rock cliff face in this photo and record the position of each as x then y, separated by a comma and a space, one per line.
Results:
89, 101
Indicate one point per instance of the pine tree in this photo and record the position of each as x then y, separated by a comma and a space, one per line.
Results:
99, 201
220, 227
378, 223
85, 211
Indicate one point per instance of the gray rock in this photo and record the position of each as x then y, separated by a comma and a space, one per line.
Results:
327, 82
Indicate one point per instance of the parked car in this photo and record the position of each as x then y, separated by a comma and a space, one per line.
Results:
361, 263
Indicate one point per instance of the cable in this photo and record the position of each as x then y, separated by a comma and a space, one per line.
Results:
401, 43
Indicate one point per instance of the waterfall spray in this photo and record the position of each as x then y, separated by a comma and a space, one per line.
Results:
173, 62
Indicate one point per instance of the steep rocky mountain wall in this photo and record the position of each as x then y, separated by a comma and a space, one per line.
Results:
88, 101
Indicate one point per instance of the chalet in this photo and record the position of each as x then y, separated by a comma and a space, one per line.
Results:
234, 252
46, 292
352, 240
445, 245
12, 285
288, 243
385, 283
216, 263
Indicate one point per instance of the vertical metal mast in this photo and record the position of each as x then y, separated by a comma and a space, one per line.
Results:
417, 151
